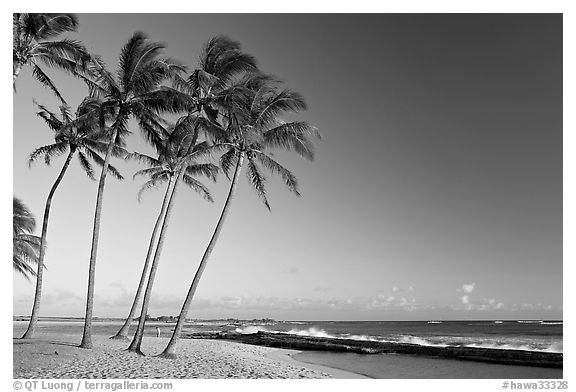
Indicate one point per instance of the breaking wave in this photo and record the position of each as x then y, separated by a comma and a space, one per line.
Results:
555, 347
436, 341
251, 329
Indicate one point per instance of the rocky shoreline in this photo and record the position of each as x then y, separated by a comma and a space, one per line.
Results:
486, 355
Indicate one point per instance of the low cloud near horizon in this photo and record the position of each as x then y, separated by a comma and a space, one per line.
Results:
378, 307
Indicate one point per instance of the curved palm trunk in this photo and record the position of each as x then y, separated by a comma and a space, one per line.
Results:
87, 335
38, 294
137, 340
169, 350
123, 332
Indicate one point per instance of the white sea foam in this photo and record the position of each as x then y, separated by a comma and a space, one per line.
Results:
420, 341
315, 332
251, 329
553, 347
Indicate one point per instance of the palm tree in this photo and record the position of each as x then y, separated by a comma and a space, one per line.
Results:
134, 93
200, 93
177, 162
25, 245
71, 135
32, 45
209, 88
251, 128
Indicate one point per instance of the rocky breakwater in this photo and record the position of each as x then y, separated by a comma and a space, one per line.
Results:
479, 354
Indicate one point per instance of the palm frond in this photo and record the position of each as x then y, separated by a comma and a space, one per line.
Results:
20, 264
53, 122
293, 136
65, 49
53, 25
286, 101
100, 162
234, 63
86, 165
227, 160
258, 181
50, 151
149, 124
203, 169
287, 176
65, 113
101, 82
183, 86
25, 246
144, 159
120, 124
128, 57
149, 172
169, 100
102, 146
197, 186
22, 218
46, 81
25, 249
154, 182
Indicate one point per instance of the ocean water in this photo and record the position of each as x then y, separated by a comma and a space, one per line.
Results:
545, 336
512, 335
392, 366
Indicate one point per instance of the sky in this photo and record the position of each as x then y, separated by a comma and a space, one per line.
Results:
436, 192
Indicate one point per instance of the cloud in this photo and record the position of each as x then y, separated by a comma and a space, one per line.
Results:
466, 303
61, 296
322, 289
397, 289
291, 271
382, 301
261, 303
468, 288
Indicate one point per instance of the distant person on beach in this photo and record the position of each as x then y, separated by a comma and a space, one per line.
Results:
157, 332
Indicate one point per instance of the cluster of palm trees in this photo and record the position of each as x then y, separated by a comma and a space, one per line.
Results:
226, 107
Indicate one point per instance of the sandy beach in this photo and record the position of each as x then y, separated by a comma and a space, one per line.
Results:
53, 355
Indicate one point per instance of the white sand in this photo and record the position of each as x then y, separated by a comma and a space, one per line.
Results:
57, 356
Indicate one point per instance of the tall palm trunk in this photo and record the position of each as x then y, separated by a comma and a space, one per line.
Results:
137, 340
123, 333
87, 335
38, 294
169, 350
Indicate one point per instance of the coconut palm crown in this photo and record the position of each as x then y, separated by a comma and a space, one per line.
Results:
33, 46
208, 88
179, 152
135, 89
255, 127
77, 134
